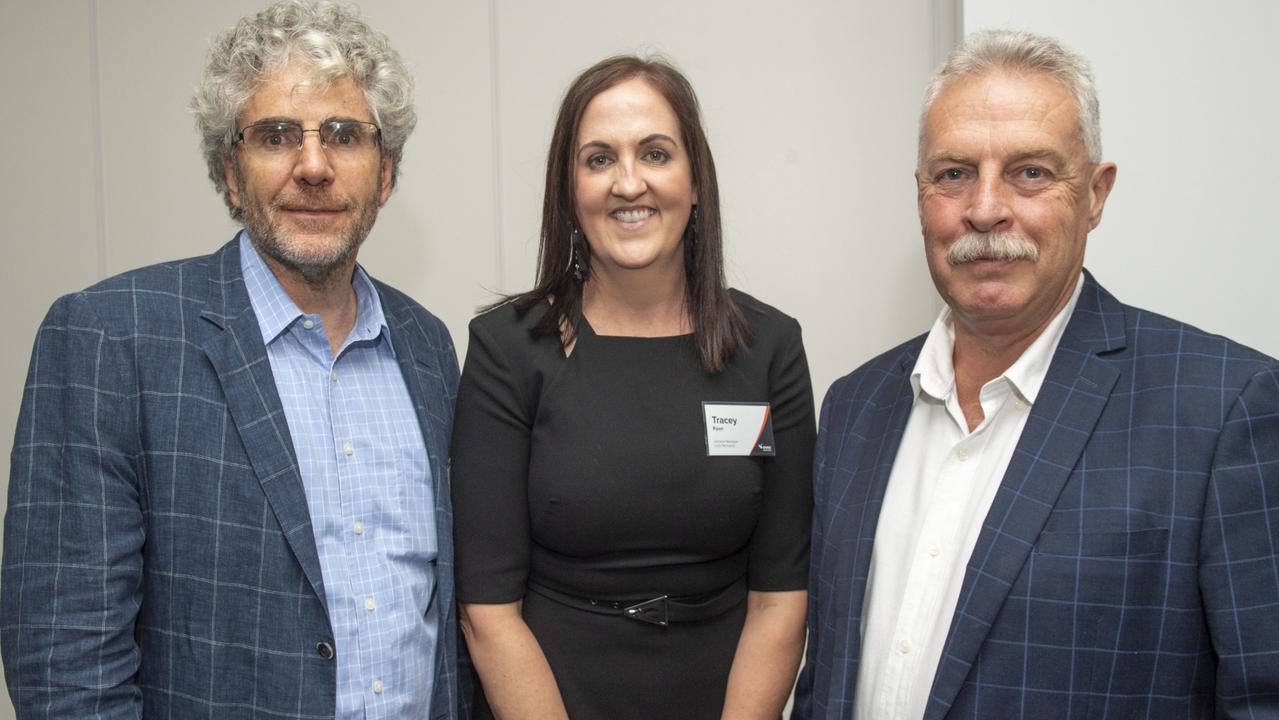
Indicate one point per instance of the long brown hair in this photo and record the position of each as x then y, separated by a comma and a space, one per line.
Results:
719, 327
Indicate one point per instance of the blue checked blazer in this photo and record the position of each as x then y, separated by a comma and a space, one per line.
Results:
1129, 565
158, 553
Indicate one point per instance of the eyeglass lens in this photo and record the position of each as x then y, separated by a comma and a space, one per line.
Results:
286, 137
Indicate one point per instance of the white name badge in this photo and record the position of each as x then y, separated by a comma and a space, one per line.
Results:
739, 428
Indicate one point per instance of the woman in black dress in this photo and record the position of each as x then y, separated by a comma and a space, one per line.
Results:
633, 441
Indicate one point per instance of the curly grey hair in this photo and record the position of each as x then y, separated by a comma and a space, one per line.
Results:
988, 50
329, 38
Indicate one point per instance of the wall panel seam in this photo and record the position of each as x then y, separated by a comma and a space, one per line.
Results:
99, 144
499, 260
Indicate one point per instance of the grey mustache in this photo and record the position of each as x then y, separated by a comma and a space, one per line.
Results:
991, 246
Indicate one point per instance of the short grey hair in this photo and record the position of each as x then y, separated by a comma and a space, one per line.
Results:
991, 50
330, 39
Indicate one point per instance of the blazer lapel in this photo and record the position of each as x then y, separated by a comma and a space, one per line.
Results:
420, 366
1073, 395
239, 358
865, 457
890, 412
433, 404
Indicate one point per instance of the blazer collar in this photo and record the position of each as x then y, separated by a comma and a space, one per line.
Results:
1061, 422
227, 299
1098, 324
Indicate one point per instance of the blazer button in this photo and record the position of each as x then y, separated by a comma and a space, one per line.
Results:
324, 650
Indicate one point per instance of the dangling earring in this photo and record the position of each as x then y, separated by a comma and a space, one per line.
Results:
692, 226
574, 263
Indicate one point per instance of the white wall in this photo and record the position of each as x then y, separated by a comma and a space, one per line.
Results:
1188, 111
810, 110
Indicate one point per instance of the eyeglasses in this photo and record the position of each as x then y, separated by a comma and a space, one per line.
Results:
283, 139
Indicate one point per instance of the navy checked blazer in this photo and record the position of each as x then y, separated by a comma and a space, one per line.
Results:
158, 553
1129, 565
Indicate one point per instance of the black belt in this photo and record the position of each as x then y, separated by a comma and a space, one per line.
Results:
661, 610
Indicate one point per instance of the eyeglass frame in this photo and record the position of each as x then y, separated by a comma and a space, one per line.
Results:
238, 137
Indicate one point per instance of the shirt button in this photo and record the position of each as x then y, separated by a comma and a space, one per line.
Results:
348, 448
358, 528
934, 550
370, 604
333, 375
962, 454
904, 647
378, 687
308, 323
1022, 404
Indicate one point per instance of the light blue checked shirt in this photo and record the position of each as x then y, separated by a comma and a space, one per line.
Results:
368, 489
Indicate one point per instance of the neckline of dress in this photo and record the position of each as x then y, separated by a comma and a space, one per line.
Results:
586, 325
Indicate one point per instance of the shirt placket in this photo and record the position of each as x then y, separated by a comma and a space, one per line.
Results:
336, 566
355, 506
920, 596
944, 521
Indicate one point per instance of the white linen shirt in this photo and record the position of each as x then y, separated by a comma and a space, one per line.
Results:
940, 489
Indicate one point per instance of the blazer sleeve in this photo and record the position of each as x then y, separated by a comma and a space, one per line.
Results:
73, 531
1239, 553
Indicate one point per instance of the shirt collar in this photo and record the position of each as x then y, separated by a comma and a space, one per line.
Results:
276, 311
934, 371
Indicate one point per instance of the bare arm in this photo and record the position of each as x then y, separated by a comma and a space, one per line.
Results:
517, 680
768, 654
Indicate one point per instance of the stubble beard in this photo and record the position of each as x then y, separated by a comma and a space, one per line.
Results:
317, 264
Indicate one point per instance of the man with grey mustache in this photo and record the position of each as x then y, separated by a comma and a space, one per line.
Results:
1052, 505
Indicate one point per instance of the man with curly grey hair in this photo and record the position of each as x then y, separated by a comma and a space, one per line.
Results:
1052, 505
229, 491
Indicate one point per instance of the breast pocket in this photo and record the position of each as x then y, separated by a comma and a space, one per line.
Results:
1108, 544
1097, 569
